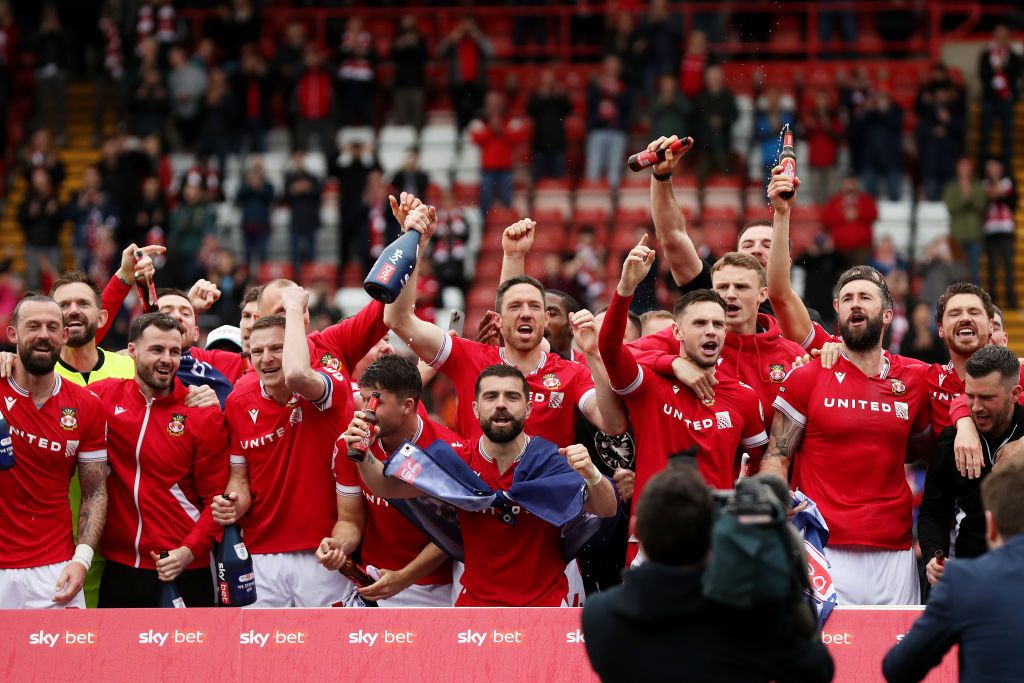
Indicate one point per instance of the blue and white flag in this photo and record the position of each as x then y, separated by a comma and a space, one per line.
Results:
814, 530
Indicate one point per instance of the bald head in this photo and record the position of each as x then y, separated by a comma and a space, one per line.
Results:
269, 299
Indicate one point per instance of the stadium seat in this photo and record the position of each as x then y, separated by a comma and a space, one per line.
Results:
272, 270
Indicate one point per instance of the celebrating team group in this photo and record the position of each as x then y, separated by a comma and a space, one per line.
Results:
558, 429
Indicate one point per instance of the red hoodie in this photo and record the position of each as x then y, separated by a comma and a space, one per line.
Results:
167, 461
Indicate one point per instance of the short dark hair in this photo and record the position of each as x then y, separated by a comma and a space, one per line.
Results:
160, 321
499, 296
501, 370
864, 273
174, 291
963, 288
252, 294
32, 298
1000, 493
265, 322
989, 359
568, 300
77, 277
393, 373
695, 297
673, 517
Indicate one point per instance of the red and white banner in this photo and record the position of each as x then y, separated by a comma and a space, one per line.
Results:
359, 644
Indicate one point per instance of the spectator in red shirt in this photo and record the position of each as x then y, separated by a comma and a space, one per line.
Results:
823, 130
252, 92
691, 70
849, 217
496, 136
314, 100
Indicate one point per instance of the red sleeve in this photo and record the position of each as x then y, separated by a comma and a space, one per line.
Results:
816, 338
664, 341
958, 409
583, 386
352, 338
93, 446
869, 210
832, 214
210, 472
624, 373
481, 135
346, 473
796, 391
113, 297
754, 434
231, 365
922, 426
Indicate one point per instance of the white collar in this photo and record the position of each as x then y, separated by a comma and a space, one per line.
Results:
480, 446
24, 392
543, 361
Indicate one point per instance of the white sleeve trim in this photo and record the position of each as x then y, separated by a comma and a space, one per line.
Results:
585, 399
791, 412
347, 490
239, 461
759, 439
443, 353
810, 337
326, 399
626, 391
191, 510
93, 456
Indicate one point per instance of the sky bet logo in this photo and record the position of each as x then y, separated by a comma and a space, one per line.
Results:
252, 637
177, 637
68, 638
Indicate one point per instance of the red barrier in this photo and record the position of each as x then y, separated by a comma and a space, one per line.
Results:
357, 645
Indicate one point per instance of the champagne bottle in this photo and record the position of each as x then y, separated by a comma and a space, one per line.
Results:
6, 446
236, 582
393, 268
357, 451
169, 595
642, 160
787, 159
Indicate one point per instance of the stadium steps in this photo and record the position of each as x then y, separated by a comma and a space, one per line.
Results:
78, 156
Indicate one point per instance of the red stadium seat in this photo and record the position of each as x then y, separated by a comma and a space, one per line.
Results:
319, 270
273, 270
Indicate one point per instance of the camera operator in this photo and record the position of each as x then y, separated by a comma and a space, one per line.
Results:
660, 616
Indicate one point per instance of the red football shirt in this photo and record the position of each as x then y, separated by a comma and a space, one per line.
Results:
856, 431
288, 452
942, 382
556, 386
390, 540
668, 418
508, 566
49, 441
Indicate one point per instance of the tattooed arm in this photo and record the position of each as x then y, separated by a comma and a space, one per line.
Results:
782, 444
91, 518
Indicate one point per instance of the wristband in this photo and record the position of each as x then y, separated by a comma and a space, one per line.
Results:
662, 177
83, 555
594, 480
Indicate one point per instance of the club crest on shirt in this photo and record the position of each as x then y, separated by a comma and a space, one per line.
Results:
68, 418
551, 381
296, 416
708, 401
777, 372
176, 427
898, 387
556, 399
330, 362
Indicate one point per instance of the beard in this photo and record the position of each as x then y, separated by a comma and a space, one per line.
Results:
502, 434
39, 359
151, 379
865, 338
77, 339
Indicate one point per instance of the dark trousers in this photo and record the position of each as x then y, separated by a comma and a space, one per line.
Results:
1002, 110
999, 249
124, 586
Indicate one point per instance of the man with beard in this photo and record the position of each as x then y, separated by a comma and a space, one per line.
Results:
55, 426
507, 565
821, 419
993, 392
668, 418
167, 462
284, 421
557, 386
81, 360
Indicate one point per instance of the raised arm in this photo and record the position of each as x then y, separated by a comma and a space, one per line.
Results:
669, 223
424, 338
299, 376
123, 280
601, 498
607, 411
782, 444
516, 242
370, 468
623, 370
789, 308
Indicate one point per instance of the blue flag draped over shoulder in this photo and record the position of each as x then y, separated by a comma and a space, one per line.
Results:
814, 531
194, 372
543, 483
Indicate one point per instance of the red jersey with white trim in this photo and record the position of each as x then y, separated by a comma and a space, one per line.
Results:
508, 566
167, 461
49, 441
856, 432
287, 449
956, 403
668, 418
342, 345
390, 540
556, 386
818, 337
